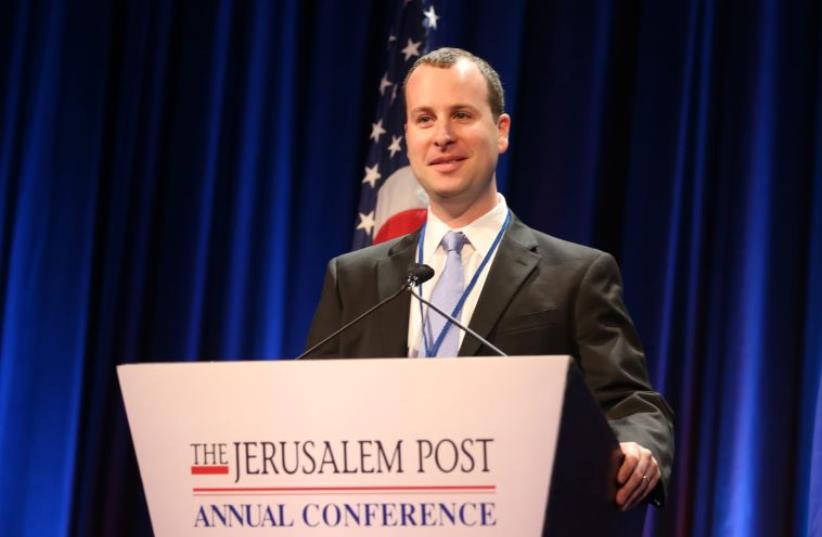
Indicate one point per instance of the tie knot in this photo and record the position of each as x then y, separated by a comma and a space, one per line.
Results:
454, 241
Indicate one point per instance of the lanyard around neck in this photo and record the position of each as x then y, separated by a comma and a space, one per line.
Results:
426, 338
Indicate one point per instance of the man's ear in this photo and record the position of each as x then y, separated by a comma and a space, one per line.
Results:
503, 128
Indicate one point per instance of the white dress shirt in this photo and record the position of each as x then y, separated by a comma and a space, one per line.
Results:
480, 234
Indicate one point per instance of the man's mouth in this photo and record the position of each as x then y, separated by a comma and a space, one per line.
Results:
447, 163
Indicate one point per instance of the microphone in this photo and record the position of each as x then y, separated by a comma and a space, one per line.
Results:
417, 274
417, 268
420, 273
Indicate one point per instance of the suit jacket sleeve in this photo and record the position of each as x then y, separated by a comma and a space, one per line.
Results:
328, 316
613, 363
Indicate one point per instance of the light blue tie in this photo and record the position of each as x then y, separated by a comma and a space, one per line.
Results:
445, 296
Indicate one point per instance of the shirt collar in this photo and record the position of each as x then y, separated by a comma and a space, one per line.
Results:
480, 233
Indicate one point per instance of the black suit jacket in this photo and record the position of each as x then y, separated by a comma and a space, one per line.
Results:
542, 296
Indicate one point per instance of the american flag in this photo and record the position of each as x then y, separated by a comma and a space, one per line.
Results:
392, 203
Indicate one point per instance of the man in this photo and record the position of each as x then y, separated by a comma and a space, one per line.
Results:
527, 292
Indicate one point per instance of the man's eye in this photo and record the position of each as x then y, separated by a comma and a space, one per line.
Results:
462, 115
423, 119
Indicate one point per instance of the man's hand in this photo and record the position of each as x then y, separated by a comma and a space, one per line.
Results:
637, 476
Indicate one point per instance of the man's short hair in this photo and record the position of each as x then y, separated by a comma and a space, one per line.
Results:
446, 57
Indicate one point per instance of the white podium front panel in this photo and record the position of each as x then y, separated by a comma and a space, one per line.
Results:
390, 447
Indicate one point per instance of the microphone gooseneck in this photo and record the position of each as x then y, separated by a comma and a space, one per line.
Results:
425, 273
417, 274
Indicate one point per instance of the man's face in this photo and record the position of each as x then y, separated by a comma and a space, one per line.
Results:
453, 141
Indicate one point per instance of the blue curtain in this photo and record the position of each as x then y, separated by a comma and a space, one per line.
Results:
174, 176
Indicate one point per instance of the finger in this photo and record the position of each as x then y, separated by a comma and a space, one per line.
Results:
626, 492
623, 494
645, 487
638, 493
628, 465
629, 489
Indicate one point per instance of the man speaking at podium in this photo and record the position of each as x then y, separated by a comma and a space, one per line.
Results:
528, 293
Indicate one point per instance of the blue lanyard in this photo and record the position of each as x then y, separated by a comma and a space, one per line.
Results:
426, 337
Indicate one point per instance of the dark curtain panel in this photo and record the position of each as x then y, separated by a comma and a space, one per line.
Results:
175, 175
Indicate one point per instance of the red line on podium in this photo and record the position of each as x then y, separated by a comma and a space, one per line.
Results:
209, 470
361, 490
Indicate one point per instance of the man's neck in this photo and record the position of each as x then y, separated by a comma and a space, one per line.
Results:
457, 214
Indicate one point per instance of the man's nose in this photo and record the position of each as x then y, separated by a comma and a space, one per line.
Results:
444, 135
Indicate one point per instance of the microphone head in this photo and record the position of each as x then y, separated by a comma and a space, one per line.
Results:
419, 273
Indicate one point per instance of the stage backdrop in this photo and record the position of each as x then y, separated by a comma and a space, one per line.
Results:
175, 175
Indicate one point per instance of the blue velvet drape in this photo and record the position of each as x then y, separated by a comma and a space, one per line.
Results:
174, 176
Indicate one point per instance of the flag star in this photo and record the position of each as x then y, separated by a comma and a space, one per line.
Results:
366, 222
385, 83
431, 17
411, 49
392, 38
394, 148
376, 131
371, 175
393, 93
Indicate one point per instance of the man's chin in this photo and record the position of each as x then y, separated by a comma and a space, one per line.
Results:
449, 196
446, 186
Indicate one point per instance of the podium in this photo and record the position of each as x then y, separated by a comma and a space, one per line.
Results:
512, 447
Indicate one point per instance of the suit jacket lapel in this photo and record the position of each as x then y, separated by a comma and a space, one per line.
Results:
391, 272
514, 261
